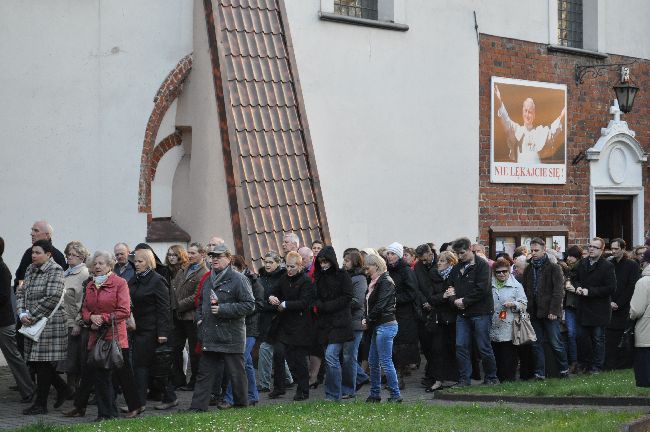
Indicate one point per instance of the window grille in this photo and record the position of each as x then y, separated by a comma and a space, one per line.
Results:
357, 8
569, 14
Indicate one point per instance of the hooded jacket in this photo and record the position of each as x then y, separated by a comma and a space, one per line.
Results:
333, 300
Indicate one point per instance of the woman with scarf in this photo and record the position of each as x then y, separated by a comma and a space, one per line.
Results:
509, 297
151, 311
382, 325
406, 351
73, 280
442, 324
105, 308
334, 323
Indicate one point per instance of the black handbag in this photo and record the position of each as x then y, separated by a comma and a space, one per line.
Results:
106, 354
627, 338
162, 361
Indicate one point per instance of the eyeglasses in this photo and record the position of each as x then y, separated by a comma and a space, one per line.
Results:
594, 247
501, 271
71, 255
269, 262
172, 255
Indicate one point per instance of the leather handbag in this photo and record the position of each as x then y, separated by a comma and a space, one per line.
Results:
106, 354
627, 338
35, 330
522, 329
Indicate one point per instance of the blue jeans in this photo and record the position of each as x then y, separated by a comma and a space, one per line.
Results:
478, 328
253, 395
571, 321
549, 330
381, 357
352, 371
333, 374
265, 366
597, 336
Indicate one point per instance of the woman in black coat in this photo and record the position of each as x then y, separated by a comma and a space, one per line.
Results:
292, 297
405, 349
442, 323
150, 302
333, 309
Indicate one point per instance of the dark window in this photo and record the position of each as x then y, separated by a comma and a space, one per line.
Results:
357, 8
569, 29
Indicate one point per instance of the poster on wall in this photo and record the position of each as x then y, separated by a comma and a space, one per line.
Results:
528, 132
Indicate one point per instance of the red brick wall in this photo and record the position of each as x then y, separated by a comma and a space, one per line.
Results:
587, 112
167, 93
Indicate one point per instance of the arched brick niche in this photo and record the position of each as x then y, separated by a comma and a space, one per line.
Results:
168, 92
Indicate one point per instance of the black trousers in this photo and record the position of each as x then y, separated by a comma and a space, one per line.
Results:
616, 358
184, 331
212, 366
46, 376
426, 346
505, 354
526, 361
105, 389
445, 367
143, 379
296, 358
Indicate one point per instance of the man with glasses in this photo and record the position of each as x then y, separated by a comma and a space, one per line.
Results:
543, 283
595, 284
471, 294
627, 273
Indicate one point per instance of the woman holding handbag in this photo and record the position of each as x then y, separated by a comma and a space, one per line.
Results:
39, 299
509, 297
105, 308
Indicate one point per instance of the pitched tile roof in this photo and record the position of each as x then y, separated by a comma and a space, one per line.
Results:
269, 160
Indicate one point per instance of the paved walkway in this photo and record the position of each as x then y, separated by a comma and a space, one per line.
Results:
11, 416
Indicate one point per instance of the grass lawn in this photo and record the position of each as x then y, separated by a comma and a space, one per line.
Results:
616, 383
371, 417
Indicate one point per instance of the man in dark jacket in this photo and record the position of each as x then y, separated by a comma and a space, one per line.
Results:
123, 266
627, 273
41, 230
225, 301
544, 286
334, 316
425, 272
595, 283
472, 296
8, 344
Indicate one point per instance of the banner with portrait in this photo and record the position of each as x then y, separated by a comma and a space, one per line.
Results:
528, 132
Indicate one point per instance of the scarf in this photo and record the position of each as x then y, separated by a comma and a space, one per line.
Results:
371, 286
445, 273
143, 274
216, 276
500, 284
70, 270
537, 264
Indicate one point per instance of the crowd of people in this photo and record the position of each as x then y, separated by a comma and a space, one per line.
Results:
204, 321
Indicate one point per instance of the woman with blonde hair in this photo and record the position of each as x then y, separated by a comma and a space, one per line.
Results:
381, 321
151, 311
73, 279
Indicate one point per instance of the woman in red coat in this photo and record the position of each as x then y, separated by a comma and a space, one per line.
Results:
106, 303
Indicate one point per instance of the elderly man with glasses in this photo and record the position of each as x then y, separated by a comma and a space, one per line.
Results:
595, 284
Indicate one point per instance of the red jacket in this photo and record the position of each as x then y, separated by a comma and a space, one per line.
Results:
112, 301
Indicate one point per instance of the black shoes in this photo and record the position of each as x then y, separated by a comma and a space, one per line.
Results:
300, 397
35, 410
373, 399
63, 396
274, 394
27, 399
395, 399
361, 384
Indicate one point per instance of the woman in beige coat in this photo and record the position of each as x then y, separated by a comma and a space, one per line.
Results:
640, 311
73, 279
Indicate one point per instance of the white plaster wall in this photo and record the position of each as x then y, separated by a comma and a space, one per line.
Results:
393, 116
517, 19
161, 186
625, 28
80, 77
208, 212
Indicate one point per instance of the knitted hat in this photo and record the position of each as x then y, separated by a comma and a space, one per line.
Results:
396, 248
